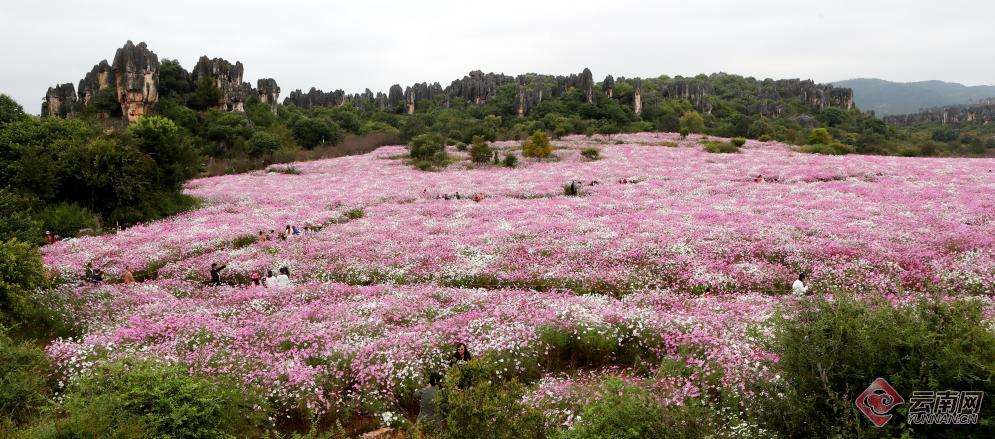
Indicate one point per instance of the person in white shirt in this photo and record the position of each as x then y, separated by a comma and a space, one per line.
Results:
270, 281
283, 279
798, 288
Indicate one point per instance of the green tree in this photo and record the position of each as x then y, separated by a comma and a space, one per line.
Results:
262, 143
480, 152
16, 221
205, 94
160, 139
106, 102
820, 136
10, 110
312, 132
174, 81
21, 273
692, 122
538, 146
425, 146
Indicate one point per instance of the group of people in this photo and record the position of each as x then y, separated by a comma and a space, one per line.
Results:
281, 280
428, 409
50, 238
289, 231
761, 179
478, 197
96, 275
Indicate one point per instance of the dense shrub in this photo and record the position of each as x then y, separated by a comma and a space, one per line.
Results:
830, 351
480, 152
622, 410
24, 376
16, 220
66, 219
263, 142
720, 147
510, 161
145, 399
591, 153
738, 142
820, 136
21, 273
487, 403
834, 148
538, 146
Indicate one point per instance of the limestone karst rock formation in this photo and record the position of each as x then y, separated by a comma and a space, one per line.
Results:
608, 86
269, 92
99, 78
983, 112
637, 96
136, 75
227, 77
60, 101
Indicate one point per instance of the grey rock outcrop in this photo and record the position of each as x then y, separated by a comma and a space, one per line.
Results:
227, 77
60, 101
982, 112
269, 92
136, 76
99, 78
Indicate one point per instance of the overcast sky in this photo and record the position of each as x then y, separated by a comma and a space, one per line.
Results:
375, 43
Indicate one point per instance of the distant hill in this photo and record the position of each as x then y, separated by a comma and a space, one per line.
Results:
888, 98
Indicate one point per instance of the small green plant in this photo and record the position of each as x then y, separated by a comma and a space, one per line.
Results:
510, 161
487, 403
591, 153
684, 132
820, 136
720, 147
354, 213
738, 141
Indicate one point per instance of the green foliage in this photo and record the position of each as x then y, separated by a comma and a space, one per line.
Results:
21, 273
537, 146
24, 381
720, 147
426, 146
487, 404
66, 219
737, 142
16, 221
174, 81
820, 136
10, 110
263, 142
205, 94
160, 139
354, 213
480, 152
691, 122
623, 410
834, 148
830, 351
106, 102
591, 153
289, 170
509, 161
313, 132
376, 126
145, 399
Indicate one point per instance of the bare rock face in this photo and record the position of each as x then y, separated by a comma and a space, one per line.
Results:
99, 78
136, 75
60, 101
395, 96
477, 87
637, 96
227, 77
269, 92
982, 112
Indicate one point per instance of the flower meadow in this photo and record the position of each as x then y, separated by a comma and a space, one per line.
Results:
397, 273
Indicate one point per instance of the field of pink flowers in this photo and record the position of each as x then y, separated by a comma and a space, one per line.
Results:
379, 298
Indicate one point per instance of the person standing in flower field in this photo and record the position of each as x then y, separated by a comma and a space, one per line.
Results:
270, 280
283, 279
460, 358
798, 288
89, 272
261, 237
216, 274
129, 277
427, 408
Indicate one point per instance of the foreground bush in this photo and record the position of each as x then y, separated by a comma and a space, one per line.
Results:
720, 147
21, 272
24, 386
832, 350
483, 400
144, 399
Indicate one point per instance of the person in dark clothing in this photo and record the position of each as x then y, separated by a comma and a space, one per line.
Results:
461, 356
216, 274
88, 275
98, 276
427, 408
